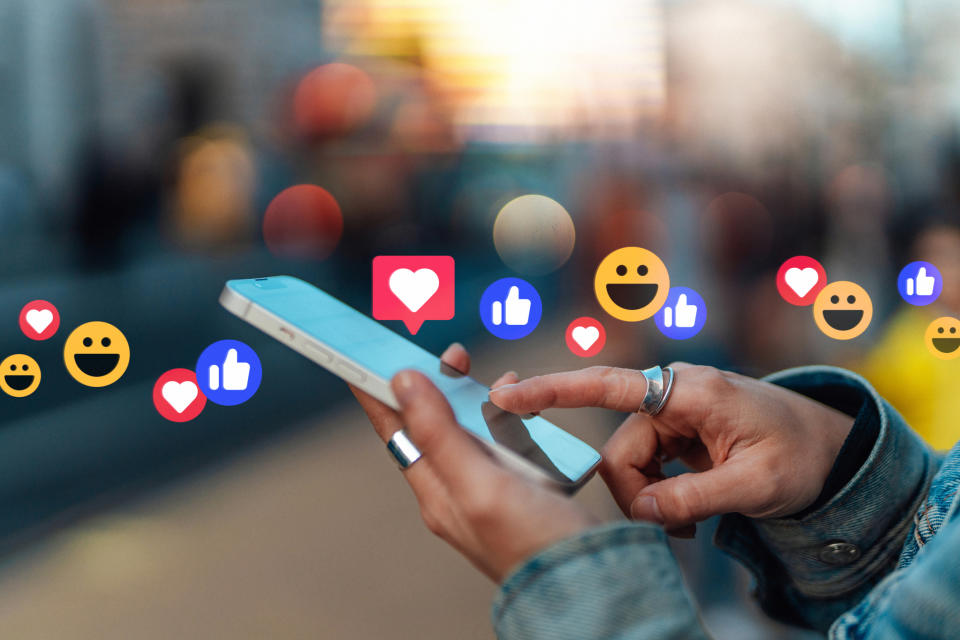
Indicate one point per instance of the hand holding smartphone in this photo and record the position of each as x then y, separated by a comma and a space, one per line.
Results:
366, 354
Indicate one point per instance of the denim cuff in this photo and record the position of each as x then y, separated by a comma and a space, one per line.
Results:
856, 536
615, 581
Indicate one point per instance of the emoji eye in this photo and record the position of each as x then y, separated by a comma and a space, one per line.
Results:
851, 299
13, 367
25, 367
940, 330
834, 299
953, 329
621, 270
105, 342
642, 270
87, 342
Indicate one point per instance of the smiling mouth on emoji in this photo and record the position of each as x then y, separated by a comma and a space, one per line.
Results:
842, 319
946, 345
18, 382
96, 364
632, 296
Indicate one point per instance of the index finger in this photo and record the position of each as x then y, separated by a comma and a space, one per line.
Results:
609, 387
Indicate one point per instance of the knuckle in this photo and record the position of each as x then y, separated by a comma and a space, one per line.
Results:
714, 381
433, 523
481, 505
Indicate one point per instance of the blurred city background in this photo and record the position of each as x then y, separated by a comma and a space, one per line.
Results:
143, 144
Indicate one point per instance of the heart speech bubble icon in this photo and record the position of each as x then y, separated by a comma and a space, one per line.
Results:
413, 289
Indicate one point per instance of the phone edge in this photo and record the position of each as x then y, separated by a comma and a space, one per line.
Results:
240, 306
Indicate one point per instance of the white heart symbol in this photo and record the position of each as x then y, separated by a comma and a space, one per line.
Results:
585, 336
414, 288
801, 280
39, 319
179, 395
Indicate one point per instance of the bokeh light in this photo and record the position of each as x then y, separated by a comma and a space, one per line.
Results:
214, 189
534, 234
333, 99
303, 222
738, 231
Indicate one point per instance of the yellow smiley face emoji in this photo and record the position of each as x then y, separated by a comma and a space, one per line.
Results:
96, 354
943, 338
19, 375
631, 284
842, 310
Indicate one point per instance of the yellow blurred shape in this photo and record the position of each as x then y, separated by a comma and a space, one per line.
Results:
922, 388
214, 191
520, 70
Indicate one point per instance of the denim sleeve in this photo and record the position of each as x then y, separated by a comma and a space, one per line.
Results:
920, 601
811, 569
614, 582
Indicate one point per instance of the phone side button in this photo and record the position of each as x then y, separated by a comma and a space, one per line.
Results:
320, 351
351, 372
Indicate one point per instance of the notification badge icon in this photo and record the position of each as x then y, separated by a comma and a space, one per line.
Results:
413, 289
800, 279
39, 320
177, 396
586, 337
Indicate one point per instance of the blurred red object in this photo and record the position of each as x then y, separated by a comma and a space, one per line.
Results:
333, 99
303, 222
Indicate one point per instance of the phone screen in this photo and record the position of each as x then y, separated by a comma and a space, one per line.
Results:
383, 352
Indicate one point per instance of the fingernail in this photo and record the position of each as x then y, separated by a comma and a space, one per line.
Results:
403, 386
456, 344
646, 508
504, 387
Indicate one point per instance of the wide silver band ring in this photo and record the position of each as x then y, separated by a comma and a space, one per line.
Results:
658, 390
403, 450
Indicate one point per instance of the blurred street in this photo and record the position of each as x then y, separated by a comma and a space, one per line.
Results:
151, 151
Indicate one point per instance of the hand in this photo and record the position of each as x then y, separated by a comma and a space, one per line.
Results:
489, 514
235, 374
755, 448
517, 309
685, 314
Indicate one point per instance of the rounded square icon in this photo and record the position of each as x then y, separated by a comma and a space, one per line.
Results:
510, 308
682, 315
228, 372
920, 283
413, 289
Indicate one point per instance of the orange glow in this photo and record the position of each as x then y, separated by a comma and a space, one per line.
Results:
520, 70
303, 222
333, 99
214, 192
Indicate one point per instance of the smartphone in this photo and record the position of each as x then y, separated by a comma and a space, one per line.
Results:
366, 354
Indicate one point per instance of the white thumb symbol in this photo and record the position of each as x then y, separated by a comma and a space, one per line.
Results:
685, 314
516, 309
235, 374
924, 283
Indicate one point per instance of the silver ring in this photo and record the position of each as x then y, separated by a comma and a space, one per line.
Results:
403, 450
657, 392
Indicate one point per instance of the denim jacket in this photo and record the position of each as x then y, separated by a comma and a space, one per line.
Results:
878, 559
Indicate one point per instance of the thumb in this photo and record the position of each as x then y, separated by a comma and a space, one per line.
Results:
231, 359
433, 428
922, 273
690, 497
513, 294
682, 301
